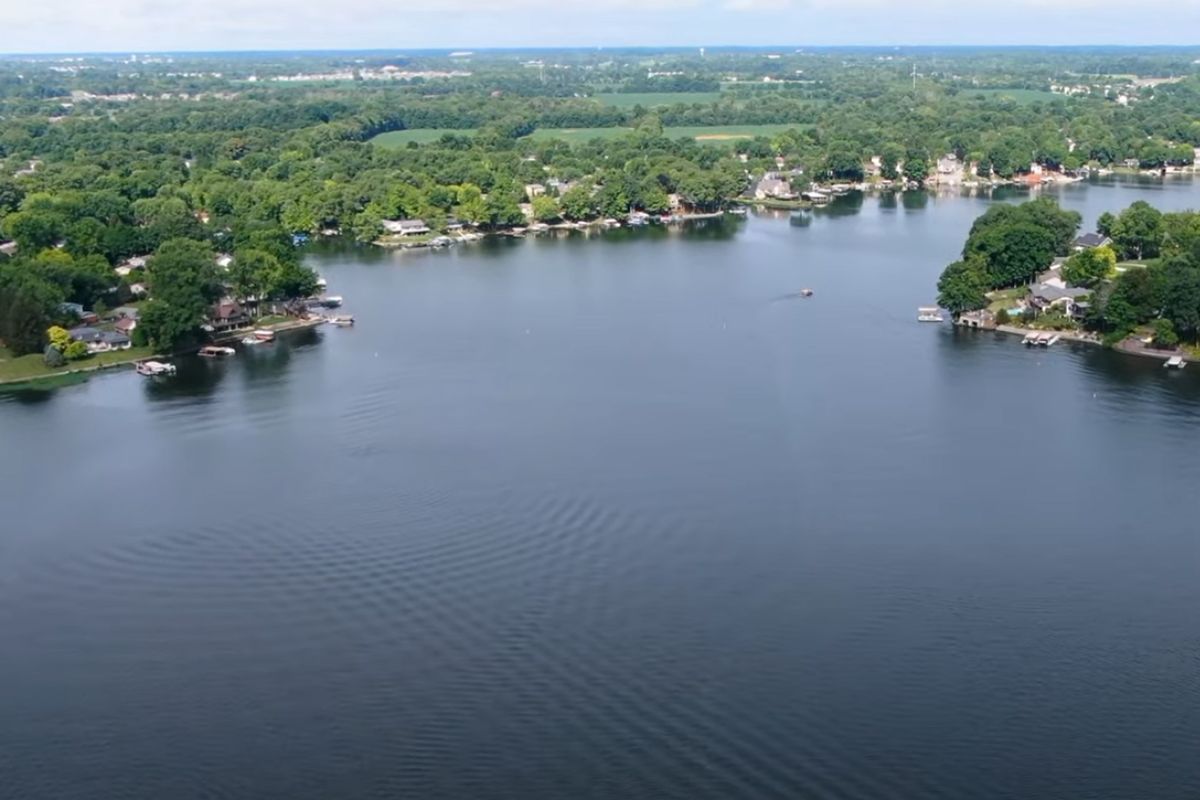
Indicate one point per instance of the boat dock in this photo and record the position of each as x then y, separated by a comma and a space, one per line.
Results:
1040, 338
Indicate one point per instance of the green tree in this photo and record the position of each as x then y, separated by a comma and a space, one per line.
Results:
1138, 231
1165, 337
1013, 254
916, 166
578, 203
962, 286
545, 208
27, 305
1090, 267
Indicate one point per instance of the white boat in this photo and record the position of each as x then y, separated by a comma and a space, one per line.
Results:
264, 335
155, 368
929, 314
1175, 362
321, 282
342, 322
332, 301
215, 351
249, 340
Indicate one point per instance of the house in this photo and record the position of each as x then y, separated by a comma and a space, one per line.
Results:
8, 248
405, 227
228, 313
99, 341
1089, 240
72, 309
533, 190
125, 325
560, 187
773, 187
138, 289
950, 171
224, 260
1044, 296
126, 312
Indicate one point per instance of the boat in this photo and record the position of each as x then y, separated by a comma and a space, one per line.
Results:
332, 301
321, 282
155, 369
342, 322
1175, 362
806, 292
1030, 339
249, 340
929, 314
215, 351
264, 335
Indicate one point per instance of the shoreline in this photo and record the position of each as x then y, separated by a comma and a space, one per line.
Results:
1130, 346
33, 382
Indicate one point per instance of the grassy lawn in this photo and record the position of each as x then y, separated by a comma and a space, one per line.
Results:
656, 99
1022, 97
30, 367
1122, 266
419, 135
1005, 298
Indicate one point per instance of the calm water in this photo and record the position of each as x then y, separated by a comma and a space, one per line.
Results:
615, 519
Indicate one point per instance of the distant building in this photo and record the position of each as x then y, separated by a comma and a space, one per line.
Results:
773, 187
950, 171
405, 227
533, 190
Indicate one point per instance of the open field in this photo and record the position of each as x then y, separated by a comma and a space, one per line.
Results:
418, 135
702, 133
656, 99
1022, 97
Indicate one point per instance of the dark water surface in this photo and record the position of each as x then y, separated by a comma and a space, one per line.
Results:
615, 519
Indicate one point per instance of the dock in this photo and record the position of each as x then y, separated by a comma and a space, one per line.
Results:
1175, 362
1040, 338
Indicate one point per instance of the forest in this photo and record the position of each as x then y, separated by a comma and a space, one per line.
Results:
181, 157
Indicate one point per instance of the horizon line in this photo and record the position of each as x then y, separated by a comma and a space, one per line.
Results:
474, 49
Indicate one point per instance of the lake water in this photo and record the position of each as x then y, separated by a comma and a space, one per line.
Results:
617, 518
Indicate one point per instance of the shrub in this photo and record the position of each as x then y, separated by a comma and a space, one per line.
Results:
76, 351
52, 357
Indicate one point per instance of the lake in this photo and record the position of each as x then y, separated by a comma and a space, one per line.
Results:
616, 518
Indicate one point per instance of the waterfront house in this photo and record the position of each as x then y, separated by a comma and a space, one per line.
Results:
405, 227
99, 341
773, 187
1055, 294
227, 314
1089, 240
950, 171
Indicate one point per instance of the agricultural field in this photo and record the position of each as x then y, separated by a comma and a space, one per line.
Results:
714, 134
656, 99
1022, 97
418, 135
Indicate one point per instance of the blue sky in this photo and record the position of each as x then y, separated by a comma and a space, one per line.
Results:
144, 25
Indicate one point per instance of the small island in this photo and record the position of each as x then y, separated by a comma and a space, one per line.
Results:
1133, 285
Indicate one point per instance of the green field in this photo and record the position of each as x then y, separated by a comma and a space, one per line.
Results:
711, 134
656, 99
418, 135
715, 134
1022, 97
